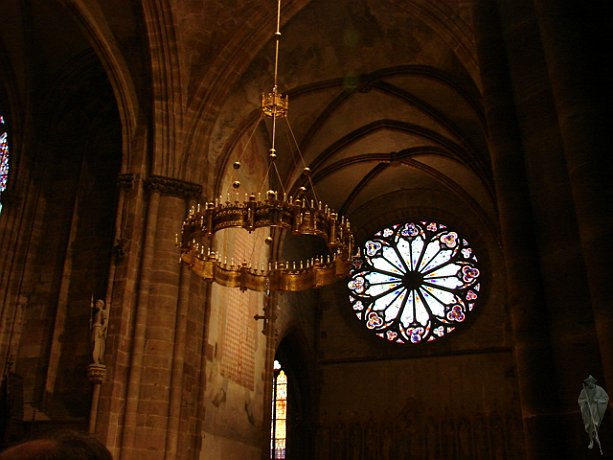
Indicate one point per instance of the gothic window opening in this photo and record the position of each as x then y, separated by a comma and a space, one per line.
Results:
278, 429
414, 282
4, 157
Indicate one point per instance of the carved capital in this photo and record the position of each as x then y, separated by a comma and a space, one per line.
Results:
175, 187
126, 181
95, 372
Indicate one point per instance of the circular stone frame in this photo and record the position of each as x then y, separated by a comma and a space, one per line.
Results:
414, 282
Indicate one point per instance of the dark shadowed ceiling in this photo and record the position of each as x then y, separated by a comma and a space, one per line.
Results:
384, 107
385, 103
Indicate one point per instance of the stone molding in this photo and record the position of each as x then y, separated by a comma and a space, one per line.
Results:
96, 372
175, 187
126, 180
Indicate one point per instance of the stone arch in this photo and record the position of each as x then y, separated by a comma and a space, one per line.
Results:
99, 34
293, 353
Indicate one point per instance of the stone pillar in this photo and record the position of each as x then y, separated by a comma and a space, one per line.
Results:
189, 192
269, 318
120, 295
11, 235
154, 392
95, 374
572, 33
128, 436
533, 352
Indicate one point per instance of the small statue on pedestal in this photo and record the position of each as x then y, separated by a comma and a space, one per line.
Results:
593, 401
99, 321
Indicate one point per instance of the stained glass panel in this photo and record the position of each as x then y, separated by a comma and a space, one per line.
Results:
415, 282
4, 157
278, 429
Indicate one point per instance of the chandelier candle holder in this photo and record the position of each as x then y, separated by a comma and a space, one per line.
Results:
295, 214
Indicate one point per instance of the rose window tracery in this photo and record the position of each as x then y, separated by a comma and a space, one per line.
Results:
414, 282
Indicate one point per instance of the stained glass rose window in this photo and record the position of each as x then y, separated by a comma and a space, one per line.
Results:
414, 282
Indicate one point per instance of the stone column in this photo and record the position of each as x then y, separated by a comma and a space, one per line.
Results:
97, 371
189, 192
155, 382
533, 353
95, 374
269, 330
10, 235
572, 33
130, 413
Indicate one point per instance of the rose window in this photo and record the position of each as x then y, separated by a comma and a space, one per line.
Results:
414, 282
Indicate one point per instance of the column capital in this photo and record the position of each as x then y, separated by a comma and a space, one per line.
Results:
175, 187
126, 180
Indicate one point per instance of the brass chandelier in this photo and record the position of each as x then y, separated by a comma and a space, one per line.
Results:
295, 214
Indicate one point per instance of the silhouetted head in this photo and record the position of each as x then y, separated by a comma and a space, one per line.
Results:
590, 381
66, 445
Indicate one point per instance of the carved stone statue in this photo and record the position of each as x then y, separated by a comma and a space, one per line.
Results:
99, 321
593, 401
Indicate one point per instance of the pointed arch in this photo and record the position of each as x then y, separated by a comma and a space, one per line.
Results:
293, 354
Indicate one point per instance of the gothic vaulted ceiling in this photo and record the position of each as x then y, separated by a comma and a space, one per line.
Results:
384, 103
384, 95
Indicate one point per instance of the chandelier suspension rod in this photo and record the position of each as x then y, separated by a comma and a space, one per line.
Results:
273, 151
276, 211
277, 40
301, 158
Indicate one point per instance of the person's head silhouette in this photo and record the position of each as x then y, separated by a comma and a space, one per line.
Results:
65, 445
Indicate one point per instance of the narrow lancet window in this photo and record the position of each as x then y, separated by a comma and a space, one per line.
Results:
4, 157
278, 435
